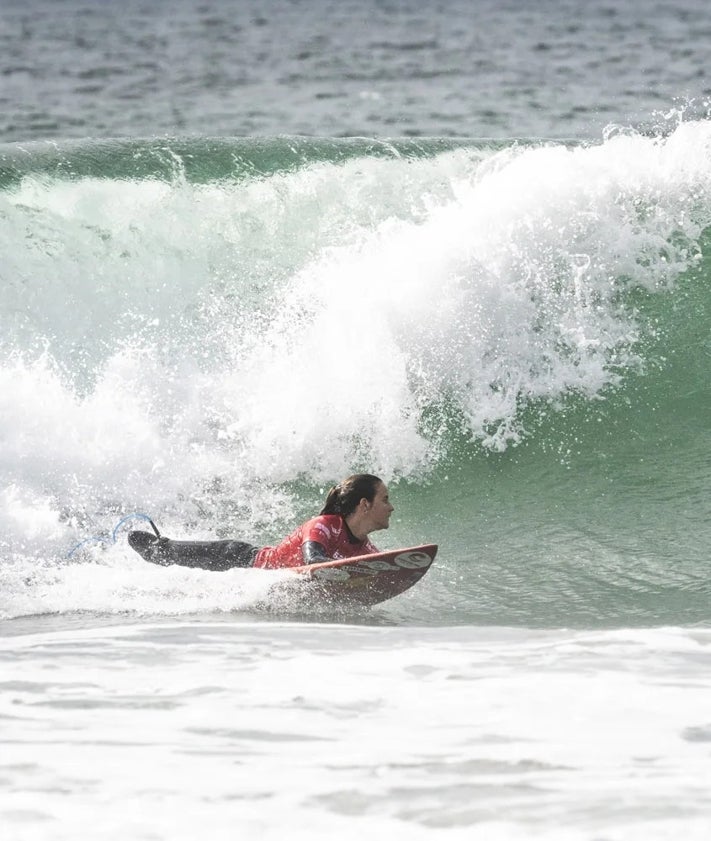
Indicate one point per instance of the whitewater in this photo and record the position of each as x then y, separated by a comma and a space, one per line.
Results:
210, 332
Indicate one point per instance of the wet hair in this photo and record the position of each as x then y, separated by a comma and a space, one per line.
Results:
344, 497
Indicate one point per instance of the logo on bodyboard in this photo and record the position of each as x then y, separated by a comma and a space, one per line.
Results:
413, 560
405, 560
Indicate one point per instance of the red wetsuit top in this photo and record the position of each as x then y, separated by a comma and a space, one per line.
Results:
329, 531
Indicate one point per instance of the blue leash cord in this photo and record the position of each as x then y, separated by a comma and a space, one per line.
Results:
112, 537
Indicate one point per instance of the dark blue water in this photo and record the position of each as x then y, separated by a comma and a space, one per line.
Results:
555, 68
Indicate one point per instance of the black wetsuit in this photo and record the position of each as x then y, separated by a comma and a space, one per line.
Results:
215, 555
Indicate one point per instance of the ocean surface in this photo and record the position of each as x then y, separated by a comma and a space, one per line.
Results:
250, 248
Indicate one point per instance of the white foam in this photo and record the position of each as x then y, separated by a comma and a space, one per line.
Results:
417, 733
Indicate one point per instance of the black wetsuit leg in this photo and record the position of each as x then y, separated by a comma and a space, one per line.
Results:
215, 555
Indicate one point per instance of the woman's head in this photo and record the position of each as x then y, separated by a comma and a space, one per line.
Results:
345, 497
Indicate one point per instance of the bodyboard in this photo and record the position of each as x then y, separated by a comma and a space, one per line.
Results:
363, 580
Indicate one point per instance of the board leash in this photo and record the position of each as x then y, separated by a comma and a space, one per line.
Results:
111, 538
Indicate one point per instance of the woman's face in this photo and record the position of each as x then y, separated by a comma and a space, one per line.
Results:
380, 508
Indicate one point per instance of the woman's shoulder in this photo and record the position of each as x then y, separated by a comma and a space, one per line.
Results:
329, 525
333, 520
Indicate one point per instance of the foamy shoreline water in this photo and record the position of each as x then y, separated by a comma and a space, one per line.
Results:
255, 728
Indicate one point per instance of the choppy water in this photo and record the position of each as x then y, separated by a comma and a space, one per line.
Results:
211, 329
554, 68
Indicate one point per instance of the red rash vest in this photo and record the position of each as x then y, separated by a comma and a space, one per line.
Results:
329, 530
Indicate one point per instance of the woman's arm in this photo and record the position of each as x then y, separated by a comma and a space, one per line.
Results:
313, 552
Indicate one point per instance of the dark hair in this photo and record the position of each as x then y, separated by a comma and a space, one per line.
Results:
344, 497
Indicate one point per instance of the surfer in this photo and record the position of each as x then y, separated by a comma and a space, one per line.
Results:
353, 509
